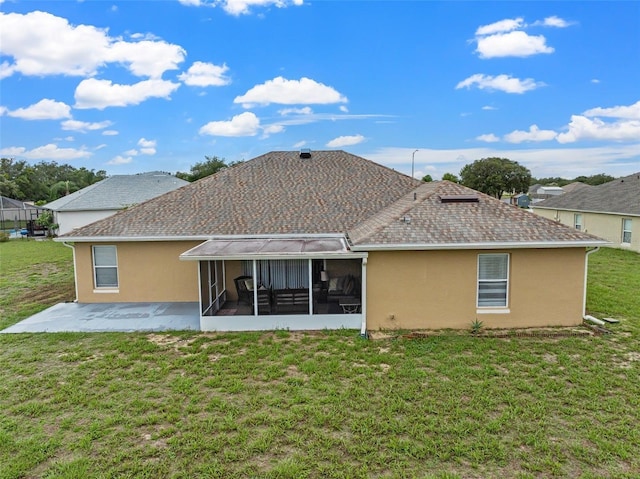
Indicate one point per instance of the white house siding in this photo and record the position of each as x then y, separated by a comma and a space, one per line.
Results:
70, 220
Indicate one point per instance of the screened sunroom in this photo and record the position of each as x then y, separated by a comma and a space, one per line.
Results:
279, 283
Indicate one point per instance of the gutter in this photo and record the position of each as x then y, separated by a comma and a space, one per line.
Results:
111, 239
75, 269
586, 270
460, 246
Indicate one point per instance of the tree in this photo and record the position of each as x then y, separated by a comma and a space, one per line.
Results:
450, 177
46, 221
212, 165
495, 176
427, 179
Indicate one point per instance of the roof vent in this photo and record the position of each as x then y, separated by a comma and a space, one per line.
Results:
406, 219
305, 153
459, 199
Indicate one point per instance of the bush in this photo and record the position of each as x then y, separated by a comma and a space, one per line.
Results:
4, 236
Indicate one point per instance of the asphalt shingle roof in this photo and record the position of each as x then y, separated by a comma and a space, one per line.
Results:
620, 196
429, 221
117, 192
276, 193
331, 192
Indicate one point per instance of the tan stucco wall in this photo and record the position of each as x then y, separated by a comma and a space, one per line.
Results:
437, 289
606, 226
147, 272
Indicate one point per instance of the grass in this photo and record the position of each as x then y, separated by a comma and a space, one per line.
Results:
326, 404
33, 276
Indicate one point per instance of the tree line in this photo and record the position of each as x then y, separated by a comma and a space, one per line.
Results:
496, 176
44, 181
48, 181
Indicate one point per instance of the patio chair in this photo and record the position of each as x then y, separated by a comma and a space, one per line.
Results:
244, 293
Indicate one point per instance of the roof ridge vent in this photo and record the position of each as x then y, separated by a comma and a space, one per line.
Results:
305, 153
459, 198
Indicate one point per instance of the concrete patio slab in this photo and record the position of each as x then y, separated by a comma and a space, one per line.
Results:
109, 317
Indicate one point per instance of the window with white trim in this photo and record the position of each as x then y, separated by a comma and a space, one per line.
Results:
577, 221
626, 230
105, 266
493, 280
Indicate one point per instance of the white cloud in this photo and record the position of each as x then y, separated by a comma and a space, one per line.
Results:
296, 111
489, 108
271, 129
146, 58
48, 152
300, 144
205, 74
534, 134
488, 138
147, 147
110, 133
595, 80
43, 110
583, 128
552, 21
512, 44
241, 7
132, 152
244, 124
120, 160
503, 83
501, 26
100, 94
83, 126
631, 112
43, 44
343, 109
345, 141
290, 92
617, 160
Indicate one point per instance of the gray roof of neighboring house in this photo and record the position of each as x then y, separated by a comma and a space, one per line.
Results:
576, 185
7, 203
621, 196
118, 192
423, 218
276, 193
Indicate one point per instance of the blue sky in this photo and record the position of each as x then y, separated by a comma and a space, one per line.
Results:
136, 86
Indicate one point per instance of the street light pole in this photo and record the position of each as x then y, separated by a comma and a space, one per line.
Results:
413, 156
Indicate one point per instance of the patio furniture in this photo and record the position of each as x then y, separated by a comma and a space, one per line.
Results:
245, 293
291, 300
350, 306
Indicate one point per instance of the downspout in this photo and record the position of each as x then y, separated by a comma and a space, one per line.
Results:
586, 270
363, 299
75, 270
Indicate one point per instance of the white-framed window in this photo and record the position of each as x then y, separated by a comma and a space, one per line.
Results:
626, 230
105, 266
577, 221
493, 280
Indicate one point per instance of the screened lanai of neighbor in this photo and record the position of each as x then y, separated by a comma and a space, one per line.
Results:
279, 283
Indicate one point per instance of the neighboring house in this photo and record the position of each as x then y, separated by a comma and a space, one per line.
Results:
14, 214
576, 185
328, 240
106, 197
521, 200
610, 211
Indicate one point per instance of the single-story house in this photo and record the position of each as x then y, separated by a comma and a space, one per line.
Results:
327, 239
609, 211
108, 196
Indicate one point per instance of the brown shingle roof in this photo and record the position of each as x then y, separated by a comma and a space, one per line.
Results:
428, 221
276, 193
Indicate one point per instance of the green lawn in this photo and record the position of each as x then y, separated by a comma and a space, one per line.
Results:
328, 404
